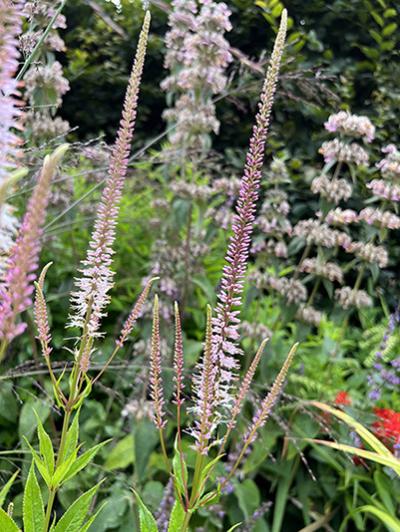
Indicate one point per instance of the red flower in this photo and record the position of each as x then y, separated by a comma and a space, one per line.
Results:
342, 398
387, 427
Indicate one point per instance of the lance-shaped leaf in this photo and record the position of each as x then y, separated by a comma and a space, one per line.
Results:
33, 508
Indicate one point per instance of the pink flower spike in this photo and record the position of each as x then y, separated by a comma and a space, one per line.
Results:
16, 294
41, 316
91, 296
156, 386
226, 322
178, 359
135, 313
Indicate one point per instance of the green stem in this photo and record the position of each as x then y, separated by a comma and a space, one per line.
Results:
185, 524
50, 502
3, 347
53, 490
196, 479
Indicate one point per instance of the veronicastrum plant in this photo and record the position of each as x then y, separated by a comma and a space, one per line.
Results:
218, 393
89, 301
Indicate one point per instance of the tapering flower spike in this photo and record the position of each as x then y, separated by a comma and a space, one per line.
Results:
91, 296
15, 295
156, 385
205, 399
270, 399
10, 117
41, 316
178, 359
10, 112
225, 324
245, 386
135, 313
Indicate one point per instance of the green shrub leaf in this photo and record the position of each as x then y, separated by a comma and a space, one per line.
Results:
147, 521
73, 518
4, 491
33, 509
7, 524
177, 518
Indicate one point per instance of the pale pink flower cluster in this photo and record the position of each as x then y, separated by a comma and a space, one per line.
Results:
385, 190
310, 315
340, 216
197, 57
329, 270
348, 297
334, 190
351, 125
291, 289
10, 116
45, 84
338, 151
369, 253
390, 165
319, 233
381, 218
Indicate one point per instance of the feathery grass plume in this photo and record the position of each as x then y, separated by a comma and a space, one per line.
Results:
156, 385
205, 399
225, 324
10, 116
41, 316
15, 295
134, 314
91, 297
178, 359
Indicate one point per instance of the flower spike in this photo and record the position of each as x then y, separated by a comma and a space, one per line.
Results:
91, 297
205, 407
15, 295
135, 313
156, 386
178, 358
41, 316
271, 398
225, 324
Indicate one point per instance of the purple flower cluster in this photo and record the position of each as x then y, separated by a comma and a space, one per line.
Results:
385, 374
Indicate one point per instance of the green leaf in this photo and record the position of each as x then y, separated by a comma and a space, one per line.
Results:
177, 518
147, 521
248, 497
5, 489
33, 508
364, 433
389, 29
93, 518
180, 471
234, 527
378, 19
82, 461
146, 439
391, 523
73, 518
45, 446
7, 524
122, 455
40, 464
